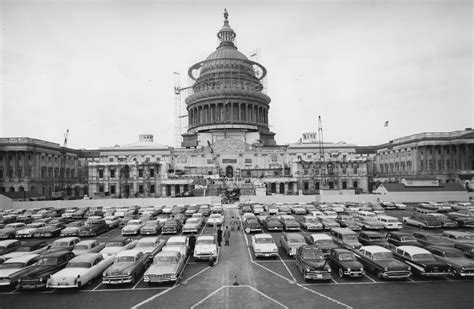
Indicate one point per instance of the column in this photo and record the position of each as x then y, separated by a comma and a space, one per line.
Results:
286, 188
25, 165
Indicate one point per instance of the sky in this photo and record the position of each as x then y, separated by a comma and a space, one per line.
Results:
104, 69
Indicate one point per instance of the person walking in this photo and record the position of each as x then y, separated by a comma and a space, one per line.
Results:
226, 235
192, 243
238, 223
232, 223
219, 236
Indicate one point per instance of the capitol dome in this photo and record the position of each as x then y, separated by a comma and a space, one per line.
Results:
227, 94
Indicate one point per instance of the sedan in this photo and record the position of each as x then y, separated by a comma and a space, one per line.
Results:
27, 248
291, 242
346, 264
271, 223
118, 244
14, 268
10, 230
460, 264
311, 223
29, 230
167, 267
252, 225
381, 262
133, 227
192, 225
205, 248
422, 261
151, 227
88, 246
79, 271
127, 267
369, 238
311, 263
215, 220
150, 245
7, 246
264, 246
72, 229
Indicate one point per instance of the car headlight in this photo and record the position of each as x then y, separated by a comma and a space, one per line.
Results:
307, 270
329, 269
129, 273
348, 269
385, 269
173, 277
104, 274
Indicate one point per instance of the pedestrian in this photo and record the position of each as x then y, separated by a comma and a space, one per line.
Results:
226, 235
232, 223
219, 236
237, 221
192, 243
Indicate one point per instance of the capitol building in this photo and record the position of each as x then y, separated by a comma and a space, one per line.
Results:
229, 145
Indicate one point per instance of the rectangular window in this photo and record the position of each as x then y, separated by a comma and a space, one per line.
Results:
140, 189
140, 172
440, 167
447, 165
421, 165
72, 173
101, 173
152, 189
430, 164
227, 161
248, 161
344, 184
101, 187
355, 184
306, 186
1, 173
152, 172
354, 170
344, 170
111, 159
112, 189
112, 173
409, 165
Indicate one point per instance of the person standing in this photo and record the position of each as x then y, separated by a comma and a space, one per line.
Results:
227, 235
232, 223
219, 236
238, 223
192, 243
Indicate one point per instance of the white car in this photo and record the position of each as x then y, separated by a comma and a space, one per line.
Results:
167, 266
133, 227
264, 246
215, 219
112, 221
150, 245
192, 225
80, 270
87, 246
177, 243
400, 206
12, 269
205, 248
117, 244
29, 230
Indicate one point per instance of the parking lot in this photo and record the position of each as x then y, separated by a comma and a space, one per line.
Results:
240, 280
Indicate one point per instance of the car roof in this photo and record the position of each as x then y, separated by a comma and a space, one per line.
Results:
320, 236
56, 254
168, 253
374, 249
413, 249
180, 238
22, 259
130, 252
148, 239
341, 250
88, 257
87, 241
372, 233
263, 235
33, 243
205, 237
295, 236
66, 239
443, 248
118, 239
8, 242
456, 233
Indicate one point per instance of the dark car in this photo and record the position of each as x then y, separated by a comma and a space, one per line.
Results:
396, 239
93, 228
464, 221
48, 264
381, 262
323, 241
172, 226
348, 221
62, 244
345, 262
461, 265
29, 247
311, 263
369, 238
422, 261
466, 248
252, 225
50, 230
427, 239
79, 214
272, 223
245, 209
9, 245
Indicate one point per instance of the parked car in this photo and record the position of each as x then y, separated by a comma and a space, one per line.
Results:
27, 248
251, 225
167, 267
62, 244
205, 248
464, 219
50, 230
72, 229
171, 226
12, 269
264, 246
328, 223
177, 243
10, 230
311, 223
461, 265
215, 219
323, 242
79, 271
427, 239
371, 238
381, 262
443, 219
396, 239
311, 263
458, 237
466, 248
127, 267
345, 220
422, 221
133, 227
150, 245
345, 238
205, 210
118, 244
345, 262
9, 245
289, 223
291, 242
298, 210
422, 262
88, 246
192, 225
112, 221
389, 222
152, 227
38, 274
29, 230
93, 228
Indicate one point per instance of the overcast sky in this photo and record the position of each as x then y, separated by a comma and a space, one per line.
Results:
104, 69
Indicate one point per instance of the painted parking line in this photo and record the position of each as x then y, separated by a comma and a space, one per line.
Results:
284, 264
136, 284
365, 275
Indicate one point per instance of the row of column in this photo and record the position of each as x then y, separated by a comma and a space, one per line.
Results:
230, 112
460, 157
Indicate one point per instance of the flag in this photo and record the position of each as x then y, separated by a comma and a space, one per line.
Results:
386, 124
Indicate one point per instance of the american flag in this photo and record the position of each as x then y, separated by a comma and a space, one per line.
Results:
386, 124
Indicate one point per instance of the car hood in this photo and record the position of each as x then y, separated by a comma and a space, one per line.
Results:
68, 273
7, 272
40, 270
273, 223
112, 250
5, 231
120, 268
351, 264
28, 230
319, 264
132, 227
391, 264
327, 246
460, 261
14, 255
190, 225
162, 269
205, 248
71, 229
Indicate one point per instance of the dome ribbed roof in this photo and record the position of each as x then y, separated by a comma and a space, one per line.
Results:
226, 52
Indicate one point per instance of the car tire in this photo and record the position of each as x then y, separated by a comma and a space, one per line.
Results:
134, 279
341, 273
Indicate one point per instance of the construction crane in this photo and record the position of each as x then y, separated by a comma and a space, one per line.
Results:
179, 109
214, 158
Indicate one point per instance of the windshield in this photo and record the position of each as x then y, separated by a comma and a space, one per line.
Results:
376, 238
423, 257
164, 260
312, 220
346, 257
407, 238
151, 223
134, 223
382, 255
350, 237
79, 265
192, 221
312, 255
76, 224
81, 247
114, 244
12, 265
24, 249
174, 243
295, 240
324, 242
464, 237
264, 240
145, 244
60, 244
205, 242
47, 261
125, 259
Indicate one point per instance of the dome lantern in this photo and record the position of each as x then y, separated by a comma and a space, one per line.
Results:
226, 35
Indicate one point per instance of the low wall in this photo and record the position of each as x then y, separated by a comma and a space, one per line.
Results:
406, 197
356, 198
279, 198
